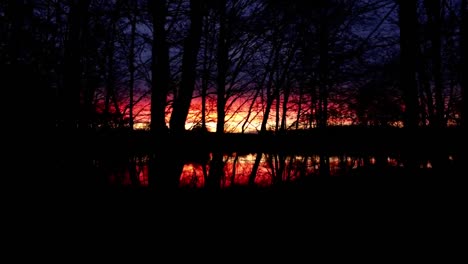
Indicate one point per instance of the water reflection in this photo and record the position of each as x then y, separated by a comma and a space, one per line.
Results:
237, 169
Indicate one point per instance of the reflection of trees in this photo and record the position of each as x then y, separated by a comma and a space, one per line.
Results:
252, 65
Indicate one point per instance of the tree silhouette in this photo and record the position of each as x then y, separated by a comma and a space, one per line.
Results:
202, 76
464, 55
160, 66
408, 33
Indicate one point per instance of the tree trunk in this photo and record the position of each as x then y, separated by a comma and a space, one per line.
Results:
275, 51
160, 168
131, 62
287, 90
167, 166
160, 67
433, 8
222, 63
271, 97
408, 50
323, 86
260, 86
217, 164
111, 78
131, 83
189, 63
205, 74
426, 89
71, 90
277, 107
74, 159
299, 106
464, 63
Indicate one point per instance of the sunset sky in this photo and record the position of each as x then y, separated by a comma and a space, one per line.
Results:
237, 112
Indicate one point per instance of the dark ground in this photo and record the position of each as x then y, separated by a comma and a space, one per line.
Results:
392, 217
351, 219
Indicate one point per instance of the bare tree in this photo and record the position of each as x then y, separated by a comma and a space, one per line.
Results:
408, 46
434, 14
189, 63
464, 64
131, 59
160, 66
74, 45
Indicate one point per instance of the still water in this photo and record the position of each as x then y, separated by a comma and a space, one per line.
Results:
237, 168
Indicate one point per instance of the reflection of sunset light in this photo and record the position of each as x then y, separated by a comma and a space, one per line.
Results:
143, 176
192, 175
237, 169
392, 161
140, 126
429, 165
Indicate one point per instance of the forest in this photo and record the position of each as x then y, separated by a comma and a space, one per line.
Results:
212, 94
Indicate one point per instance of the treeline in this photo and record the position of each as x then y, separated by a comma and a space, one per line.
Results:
286, 64
270, 65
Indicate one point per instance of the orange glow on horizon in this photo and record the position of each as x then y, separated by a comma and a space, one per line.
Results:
242, 115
